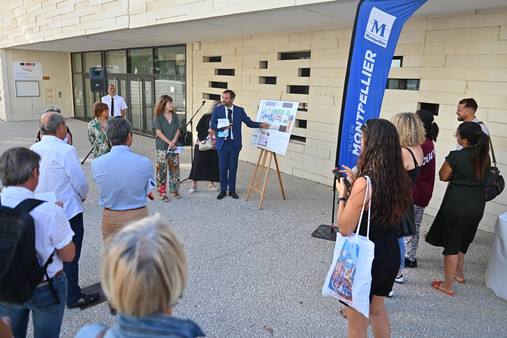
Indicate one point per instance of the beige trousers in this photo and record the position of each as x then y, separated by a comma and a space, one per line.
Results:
114, 220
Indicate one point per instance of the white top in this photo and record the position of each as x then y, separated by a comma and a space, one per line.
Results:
61, 173
52, 229
232, 118
483, 127
119, 104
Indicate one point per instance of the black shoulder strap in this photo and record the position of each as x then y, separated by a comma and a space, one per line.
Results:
413, 157
28, 205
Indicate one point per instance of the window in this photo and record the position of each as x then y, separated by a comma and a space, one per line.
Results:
77, 67
79, 108
298, 89
397, 62
304, 72
294, 55
263, 65
267, 80
432, 107
403, 84
298, 138
208, 96
175, 87
140, 61
92, 59
170, 60
216, 84
225, 72
159, 70
301, 123
303, 106
116, 61
212, 59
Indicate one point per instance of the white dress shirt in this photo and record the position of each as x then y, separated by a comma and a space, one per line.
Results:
61, 173
119, 104
52, 229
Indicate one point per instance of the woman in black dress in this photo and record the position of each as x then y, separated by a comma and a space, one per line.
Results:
205, 165
382, 162
462, 208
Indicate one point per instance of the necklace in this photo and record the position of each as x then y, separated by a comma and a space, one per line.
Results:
103, 123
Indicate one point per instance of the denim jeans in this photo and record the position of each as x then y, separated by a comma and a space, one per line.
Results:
72, 269
47, 315
402, 253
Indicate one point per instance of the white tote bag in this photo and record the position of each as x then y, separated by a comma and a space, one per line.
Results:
349, 277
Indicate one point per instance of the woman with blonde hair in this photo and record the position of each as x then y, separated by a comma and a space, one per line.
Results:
205, 165
411, 132
143, 275
97, 130
166, 125
423, 188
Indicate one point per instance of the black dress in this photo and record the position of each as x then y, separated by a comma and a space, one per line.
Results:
387, 252
463, 205
205, 165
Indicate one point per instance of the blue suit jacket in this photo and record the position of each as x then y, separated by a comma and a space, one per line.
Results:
238, 116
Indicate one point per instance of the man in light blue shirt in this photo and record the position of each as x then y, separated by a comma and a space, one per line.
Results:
124, 179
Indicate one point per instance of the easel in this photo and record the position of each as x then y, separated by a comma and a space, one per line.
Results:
256, 188
263, 155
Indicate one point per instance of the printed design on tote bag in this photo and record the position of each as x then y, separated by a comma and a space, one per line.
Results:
342, 278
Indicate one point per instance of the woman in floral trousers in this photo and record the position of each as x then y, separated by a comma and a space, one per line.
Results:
166, 125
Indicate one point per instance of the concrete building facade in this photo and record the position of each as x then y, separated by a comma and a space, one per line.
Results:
296, 50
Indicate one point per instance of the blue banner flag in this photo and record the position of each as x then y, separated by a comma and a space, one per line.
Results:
376, 32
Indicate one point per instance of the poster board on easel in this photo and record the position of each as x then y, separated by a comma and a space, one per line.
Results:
281, 116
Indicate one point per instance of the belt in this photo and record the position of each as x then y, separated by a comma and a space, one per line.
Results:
58, 274
125, 209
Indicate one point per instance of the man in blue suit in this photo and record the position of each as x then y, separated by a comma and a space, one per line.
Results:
229, 147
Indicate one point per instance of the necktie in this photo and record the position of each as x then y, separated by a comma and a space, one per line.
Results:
112, 106
229, 116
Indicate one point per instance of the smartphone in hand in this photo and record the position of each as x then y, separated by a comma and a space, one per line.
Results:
338, 175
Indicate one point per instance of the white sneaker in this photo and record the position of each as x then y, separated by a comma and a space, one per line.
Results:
192, 190
391, 294
399, 279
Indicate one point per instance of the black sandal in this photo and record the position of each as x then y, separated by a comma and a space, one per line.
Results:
87, 300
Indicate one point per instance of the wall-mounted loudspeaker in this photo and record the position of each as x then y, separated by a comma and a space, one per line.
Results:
98, 80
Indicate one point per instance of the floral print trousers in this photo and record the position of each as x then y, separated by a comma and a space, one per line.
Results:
412, 242
163, 161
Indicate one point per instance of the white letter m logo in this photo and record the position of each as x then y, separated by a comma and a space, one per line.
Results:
379, 27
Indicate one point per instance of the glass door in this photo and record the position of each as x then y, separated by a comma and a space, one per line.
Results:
90, 99
140, 103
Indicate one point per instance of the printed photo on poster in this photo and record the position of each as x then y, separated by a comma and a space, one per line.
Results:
280, 115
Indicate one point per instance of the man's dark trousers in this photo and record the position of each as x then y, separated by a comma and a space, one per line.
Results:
71, 268
228, 165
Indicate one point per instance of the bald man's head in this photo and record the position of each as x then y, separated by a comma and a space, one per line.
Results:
45, 117
51, 124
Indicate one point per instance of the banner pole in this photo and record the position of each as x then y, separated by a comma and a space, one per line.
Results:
325, 231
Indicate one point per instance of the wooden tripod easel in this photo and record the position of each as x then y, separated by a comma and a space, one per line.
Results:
263, 155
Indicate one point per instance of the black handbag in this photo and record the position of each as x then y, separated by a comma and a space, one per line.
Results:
495, 183
406, 226
185, 138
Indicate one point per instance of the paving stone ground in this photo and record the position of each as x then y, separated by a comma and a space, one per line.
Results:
259, 273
